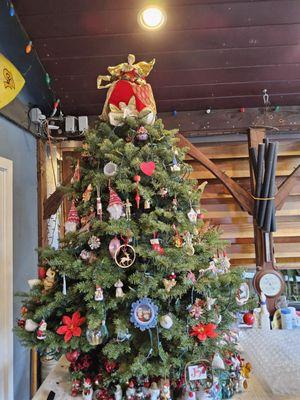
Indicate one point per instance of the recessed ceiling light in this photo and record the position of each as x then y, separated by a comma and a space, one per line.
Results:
152, 17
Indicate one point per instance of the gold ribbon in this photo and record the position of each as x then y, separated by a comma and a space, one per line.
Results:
142, 69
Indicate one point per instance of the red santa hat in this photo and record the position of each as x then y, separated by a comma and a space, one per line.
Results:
114, 199
73, 215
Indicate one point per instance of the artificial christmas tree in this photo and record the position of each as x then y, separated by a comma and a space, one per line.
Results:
137, 295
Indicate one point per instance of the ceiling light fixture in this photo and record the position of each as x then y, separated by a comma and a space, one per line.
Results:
152, 18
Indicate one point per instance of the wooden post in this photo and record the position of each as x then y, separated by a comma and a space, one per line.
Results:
42, 241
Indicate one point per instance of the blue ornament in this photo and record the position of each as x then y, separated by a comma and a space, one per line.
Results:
174, 113
144, 314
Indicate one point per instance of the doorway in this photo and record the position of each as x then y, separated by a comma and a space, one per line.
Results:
6, 281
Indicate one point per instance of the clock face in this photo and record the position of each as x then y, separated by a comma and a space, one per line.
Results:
270, 284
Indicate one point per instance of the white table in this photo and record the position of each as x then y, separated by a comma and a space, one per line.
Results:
263, 342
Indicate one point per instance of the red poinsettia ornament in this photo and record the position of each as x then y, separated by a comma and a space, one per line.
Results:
204, 331
71, 326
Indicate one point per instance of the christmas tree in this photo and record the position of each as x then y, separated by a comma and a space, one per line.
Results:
140, 288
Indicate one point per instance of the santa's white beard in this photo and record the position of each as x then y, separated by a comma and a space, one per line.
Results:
115, 211
70, 226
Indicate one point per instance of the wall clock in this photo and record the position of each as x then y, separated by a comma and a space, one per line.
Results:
269, 282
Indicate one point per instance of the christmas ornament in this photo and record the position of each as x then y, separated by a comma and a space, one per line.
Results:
119, 291
163, 192
99, 293
71, 326
49, 281
166, 321
95, 336
86, 196
110, 169
144, 314
85, 255
196, 310
174, 204
30, 325
33, 282
188, 244
87, 393
139, 394
99, 207
217, 362
94, 242
147, 204
142, 134
137, 179
217, 316
191, 277
72, 220
154, 391
128, 206
224, 263
128, 87
123, 335
165, 389
146, 388
192, 216
177, 239
169, 282
155, 244
21, 323
118, 394
76, 175
137, 199
42, 272
175, 166
130, 391
148, 168
41, 332
210, 302
86, 221
72, 356
114, 246
243, 294
110, 366
125, 256
248, 318
115, 207
204, 331
76, 387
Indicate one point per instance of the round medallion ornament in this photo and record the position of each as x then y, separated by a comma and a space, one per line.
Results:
125, 256
144, 314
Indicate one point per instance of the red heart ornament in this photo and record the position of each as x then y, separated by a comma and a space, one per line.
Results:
148, 167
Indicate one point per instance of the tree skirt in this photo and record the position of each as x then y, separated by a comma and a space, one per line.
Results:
275, 357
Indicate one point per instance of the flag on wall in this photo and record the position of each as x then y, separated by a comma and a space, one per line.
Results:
11, 81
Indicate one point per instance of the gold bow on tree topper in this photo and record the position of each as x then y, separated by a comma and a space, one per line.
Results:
128, 70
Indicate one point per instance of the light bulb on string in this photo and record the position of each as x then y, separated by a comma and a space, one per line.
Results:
11, 9
28, 47
48, 79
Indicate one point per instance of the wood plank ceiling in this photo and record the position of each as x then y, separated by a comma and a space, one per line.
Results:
211, 53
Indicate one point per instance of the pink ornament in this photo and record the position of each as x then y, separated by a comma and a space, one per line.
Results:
114, 246
148, 167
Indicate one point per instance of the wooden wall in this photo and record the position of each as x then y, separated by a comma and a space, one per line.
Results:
222, 210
